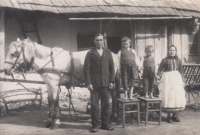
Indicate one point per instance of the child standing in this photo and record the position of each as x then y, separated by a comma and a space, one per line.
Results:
149, 71
128, 66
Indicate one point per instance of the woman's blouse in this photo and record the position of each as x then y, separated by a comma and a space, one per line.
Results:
171, 64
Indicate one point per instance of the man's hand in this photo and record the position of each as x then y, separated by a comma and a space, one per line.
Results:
111, 86
90, 87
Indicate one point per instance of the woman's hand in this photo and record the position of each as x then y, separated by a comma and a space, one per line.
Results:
158, 77
90, 87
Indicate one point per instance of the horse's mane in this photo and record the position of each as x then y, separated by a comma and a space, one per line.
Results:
40, 51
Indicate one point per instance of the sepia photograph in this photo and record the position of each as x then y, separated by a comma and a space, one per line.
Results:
104, 67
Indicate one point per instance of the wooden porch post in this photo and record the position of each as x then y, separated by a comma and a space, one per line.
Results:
105, 40
132, 35
104, 34
198, 41
2, 45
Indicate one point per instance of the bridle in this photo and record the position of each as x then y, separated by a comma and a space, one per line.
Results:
17, 54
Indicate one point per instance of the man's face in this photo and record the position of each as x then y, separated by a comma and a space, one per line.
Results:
98, 41
125, 44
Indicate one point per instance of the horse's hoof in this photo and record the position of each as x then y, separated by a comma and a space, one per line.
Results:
55, 126
48, 124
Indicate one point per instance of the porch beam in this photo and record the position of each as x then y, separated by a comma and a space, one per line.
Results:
128, 18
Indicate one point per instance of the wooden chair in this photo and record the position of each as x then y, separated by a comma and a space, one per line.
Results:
123, 111
152, 108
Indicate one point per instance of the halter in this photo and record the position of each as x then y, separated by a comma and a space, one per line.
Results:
17, 54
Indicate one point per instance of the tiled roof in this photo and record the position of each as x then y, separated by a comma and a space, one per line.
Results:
128, 7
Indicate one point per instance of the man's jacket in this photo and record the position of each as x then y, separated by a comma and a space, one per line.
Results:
99, 70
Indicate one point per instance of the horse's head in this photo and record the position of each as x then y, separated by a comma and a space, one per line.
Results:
18, 57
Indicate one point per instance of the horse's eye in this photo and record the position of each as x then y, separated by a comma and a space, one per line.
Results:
15, 54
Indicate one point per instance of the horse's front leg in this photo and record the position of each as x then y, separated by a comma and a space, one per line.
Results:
50, 120
55, 108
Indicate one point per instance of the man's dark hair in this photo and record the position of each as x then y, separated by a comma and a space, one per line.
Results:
98, 34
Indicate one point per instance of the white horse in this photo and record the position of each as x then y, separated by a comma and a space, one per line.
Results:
55, 62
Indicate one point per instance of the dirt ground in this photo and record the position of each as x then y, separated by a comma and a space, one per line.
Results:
31, 122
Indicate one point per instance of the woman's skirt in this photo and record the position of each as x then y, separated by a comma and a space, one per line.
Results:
171, 91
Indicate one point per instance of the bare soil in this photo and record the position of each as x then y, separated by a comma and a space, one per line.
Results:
31, 122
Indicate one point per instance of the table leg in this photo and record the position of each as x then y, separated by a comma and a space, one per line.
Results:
123, 115
117, 112
189, 97
160, 116
147, 107
138, 111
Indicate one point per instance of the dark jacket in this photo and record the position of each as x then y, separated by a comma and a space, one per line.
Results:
99, 71
166, 65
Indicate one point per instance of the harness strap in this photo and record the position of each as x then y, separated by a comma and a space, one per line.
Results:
52, 59
16, 60
8, 62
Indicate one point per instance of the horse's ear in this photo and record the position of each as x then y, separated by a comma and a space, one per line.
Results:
28, 39
18, 40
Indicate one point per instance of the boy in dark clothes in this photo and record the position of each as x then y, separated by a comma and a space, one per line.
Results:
149, 71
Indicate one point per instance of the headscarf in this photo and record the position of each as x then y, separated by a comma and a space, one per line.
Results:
172, 57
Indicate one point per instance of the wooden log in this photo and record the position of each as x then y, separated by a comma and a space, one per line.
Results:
2, 45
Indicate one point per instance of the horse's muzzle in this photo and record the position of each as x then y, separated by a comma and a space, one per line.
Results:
6, 72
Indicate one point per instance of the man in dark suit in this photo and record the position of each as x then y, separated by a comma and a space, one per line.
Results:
99, 76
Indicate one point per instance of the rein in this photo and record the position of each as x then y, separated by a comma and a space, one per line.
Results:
17, 54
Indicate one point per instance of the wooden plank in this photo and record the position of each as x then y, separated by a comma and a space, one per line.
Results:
21, 5
27, 5
163, 39
177, 38
63, 2
135, 25
158, 43
33, 6
8, 3
132, 34
56, 2
15, 3
140, 39
185, 41
199, 46
39, 7
2, 45
149, 33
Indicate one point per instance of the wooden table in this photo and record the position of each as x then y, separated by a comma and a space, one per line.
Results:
124, 103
